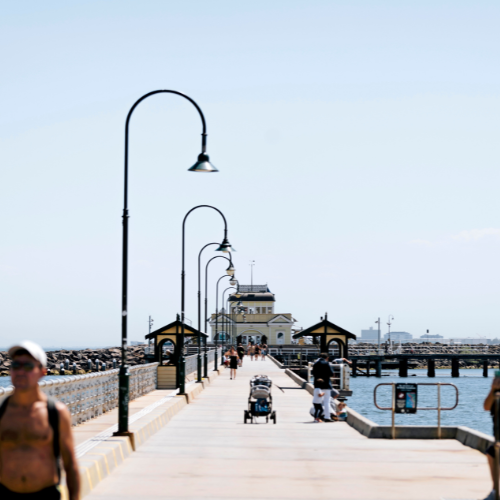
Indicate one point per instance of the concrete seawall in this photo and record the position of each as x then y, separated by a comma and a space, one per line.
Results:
469, 437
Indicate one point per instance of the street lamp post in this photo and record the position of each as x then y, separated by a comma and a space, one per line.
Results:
230, 273
391, 318
225, 246
378, 321
217, 314
202, 165
226, 321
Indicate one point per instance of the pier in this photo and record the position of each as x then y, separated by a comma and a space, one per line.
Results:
206, 451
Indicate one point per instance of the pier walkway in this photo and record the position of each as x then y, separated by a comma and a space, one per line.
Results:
206, 451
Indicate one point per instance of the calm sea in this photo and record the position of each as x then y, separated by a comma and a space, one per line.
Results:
472, 387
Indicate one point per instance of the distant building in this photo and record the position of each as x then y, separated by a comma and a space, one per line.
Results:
135, 342
256, 322
399, 336
428, 336
369, 335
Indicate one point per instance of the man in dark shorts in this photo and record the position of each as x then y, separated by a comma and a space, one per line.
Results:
241, 353
323, 370
29, 422
489, 405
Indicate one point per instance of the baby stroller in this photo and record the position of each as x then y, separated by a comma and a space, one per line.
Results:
260, 401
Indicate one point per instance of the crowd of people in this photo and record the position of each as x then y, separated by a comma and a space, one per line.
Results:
233, 357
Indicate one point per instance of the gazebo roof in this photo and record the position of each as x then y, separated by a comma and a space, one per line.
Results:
189, 331
318, 330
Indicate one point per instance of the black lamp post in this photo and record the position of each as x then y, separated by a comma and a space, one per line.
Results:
230, 273
202, 165
217, 314
226, 321
225, 246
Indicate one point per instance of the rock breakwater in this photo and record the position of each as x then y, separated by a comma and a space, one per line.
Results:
77, 361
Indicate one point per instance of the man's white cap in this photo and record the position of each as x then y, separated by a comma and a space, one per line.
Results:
35, 351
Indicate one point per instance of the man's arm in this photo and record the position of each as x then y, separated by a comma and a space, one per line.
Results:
68, 452
490, 398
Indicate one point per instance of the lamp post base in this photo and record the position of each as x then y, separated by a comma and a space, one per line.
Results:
123, 398
181, 374
199, 368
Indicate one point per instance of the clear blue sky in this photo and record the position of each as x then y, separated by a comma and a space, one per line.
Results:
357, 144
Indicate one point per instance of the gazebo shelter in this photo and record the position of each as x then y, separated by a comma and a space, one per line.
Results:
170, 335
328, 333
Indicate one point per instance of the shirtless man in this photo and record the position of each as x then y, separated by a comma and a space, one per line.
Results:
28, 467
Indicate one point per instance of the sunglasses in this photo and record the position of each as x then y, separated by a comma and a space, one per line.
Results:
27, 367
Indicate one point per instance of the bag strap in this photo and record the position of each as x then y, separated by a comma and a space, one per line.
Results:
54, 423
3, 406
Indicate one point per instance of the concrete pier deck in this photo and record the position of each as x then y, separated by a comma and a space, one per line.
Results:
206, 451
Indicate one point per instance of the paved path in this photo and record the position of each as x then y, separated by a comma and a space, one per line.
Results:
207, 452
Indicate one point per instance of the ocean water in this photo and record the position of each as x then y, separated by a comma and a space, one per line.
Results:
472, 388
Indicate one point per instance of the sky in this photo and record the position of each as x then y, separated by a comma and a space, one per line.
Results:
356, 142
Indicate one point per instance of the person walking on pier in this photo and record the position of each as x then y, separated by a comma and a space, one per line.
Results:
233, 362
489, 405
241, 353
263, 351
35, 432
323, 371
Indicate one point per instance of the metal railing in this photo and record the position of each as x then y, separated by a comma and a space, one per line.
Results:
341, 378
191, 362
423, 349
393, 407
91, 395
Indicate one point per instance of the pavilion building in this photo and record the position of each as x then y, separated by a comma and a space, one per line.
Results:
259, 322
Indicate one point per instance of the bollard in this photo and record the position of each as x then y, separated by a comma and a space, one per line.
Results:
66, 364
114, 364
89, 365
97, 365
61, 369
74, 368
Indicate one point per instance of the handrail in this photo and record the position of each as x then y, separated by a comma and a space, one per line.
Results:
393, 407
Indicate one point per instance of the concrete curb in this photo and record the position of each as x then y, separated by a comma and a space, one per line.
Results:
275, 361
468, 437
101, 460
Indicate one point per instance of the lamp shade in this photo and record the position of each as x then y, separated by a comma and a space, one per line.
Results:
230, 271
225, 246
203, 164
232, 282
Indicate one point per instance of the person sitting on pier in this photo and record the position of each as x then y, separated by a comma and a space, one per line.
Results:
334, 394
323, 371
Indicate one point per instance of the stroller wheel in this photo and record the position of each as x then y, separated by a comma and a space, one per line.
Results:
245, 417
274, 417
267, 420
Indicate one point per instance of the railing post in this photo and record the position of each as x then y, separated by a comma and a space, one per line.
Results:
439, 410
393, 411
